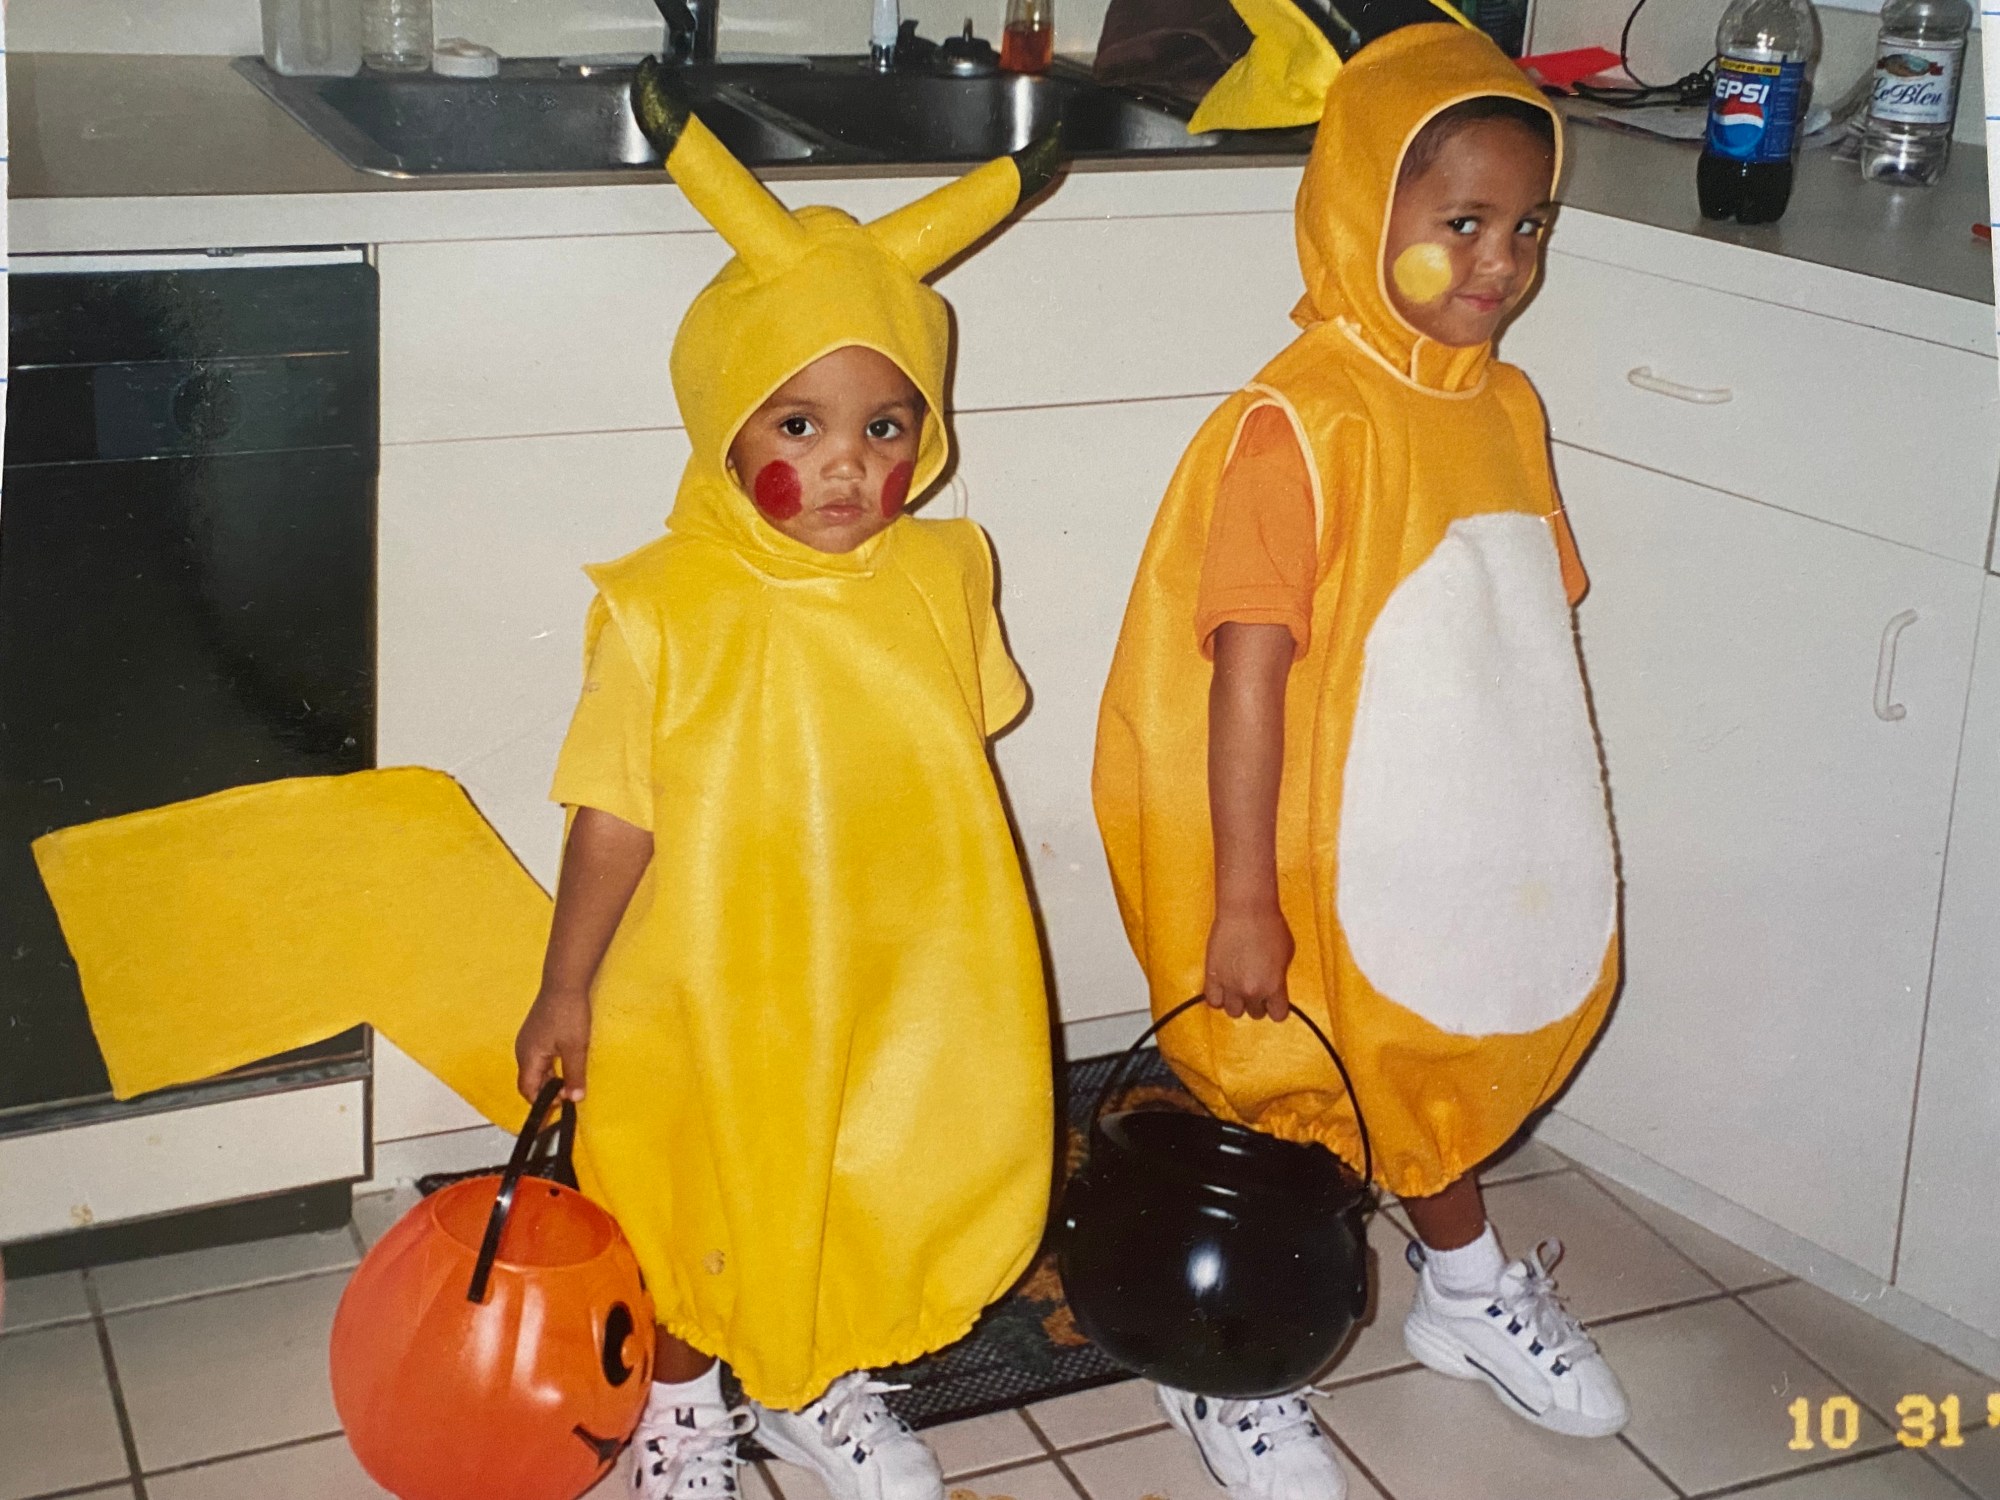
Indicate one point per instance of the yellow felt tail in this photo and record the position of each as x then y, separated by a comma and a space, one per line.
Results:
757, 226
925, 234
212, 933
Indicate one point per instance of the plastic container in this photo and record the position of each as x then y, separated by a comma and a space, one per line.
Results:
396, 35
455, 57
1919, 60
1028, 40
1765, 51
313, 38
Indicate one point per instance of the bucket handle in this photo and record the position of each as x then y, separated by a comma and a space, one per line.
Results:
517, 1167
1124, 1065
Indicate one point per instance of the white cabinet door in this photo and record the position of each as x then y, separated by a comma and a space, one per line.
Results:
1951, 1214
480, 605
481, 548
1068, 495
1781, 840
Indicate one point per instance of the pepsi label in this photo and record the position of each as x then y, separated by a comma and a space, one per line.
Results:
1754, 110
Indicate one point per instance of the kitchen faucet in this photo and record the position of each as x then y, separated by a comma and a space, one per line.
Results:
882, 35
691, 26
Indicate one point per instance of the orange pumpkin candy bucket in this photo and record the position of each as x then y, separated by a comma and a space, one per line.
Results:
497, 1343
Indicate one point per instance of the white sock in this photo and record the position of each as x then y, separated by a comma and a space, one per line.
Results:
703, 1393
1469, 1270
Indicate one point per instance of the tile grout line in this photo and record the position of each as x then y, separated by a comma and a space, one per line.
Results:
1625, 1441
1612, 1198
1838, 1384
987, 1471
66, 1322
259, 1451
1890, 1446
227, 1291
108, 1487
1951, 1478
1750, 1486
117, 1389
1612, 1320
1353, 1458
1056, 1455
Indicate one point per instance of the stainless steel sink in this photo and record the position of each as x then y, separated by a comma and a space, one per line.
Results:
926, 117
541, 116
535, 117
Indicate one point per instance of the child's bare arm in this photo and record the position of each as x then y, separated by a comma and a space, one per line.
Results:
1249, 945
602, 863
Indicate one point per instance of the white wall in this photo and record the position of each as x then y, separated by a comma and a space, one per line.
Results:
1674, 37
520, 27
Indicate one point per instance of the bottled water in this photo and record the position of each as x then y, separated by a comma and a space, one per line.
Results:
396, 35
1918, 62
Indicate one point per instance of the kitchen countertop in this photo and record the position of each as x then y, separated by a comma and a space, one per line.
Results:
120, 152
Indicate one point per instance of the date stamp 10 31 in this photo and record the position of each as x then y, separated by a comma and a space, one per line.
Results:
1925, 1420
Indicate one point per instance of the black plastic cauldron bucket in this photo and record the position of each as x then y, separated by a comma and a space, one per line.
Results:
1210, 1257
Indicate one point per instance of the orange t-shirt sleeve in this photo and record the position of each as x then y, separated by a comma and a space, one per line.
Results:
1263, 540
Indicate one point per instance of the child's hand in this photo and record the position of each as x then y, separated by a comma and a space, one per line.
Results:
557, 1030
1248, 953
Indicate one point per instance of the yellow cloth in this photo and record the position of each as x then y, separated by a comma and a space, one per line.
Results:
1445, 859
819, 1097
215, 932
830, 964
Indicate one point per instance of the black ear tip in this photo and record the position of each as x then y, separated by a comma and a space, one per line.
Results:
1039, 162
658, 106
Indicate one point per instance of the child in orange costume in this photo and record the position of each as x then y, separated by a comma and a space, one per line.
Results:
1345, 758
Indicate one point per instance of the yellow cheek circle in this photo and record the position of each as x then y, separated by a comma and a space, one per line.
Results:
1422, 273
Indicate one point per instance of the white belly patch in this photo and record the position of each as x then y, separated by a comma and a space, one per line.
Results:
1476, 880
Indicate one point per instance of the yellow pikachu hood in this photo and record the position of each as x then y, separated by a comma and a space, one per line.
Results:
800, 286
1444, 859
830, 966
1369, 109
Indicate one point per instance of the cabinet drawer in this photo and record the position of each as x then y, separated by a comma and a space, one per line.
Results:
529, 337
1782, 406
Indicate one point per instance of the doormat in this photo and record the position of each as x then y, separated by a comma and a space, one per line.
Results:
1026, 1348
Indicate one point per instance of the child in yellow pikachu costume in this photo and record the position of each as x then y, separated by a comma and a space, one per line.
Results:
1345, 760
792, 952
792, 971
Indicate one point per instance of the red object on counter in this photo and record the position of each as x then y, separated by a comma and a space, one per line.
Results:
1027, 49
1563, 70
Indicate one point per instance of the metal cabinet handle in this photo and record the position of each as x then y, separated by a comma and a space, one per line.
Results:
1646, 380
1885, 667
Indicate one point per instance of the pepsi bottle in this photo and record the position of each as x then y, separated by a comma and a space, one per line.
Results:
1764, 51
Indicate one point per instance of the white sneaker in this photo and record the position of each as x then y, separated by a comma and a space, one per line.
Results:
854, 1443
685, 1453
1522, 1342
1259, 1450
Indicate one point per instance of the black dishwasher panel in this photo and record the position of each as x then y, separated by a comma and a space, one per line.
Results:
187, 595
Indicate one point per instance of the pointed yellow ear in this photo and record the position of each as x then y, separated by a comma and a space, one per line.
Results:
757, 226
1283, 78
925, 234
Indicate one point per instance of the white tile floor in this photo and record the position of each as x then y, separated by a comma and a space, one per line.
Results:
203, 1377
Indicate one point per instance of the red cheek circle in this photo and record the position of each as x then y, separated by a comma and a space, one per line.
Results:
896, 489
777, 490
